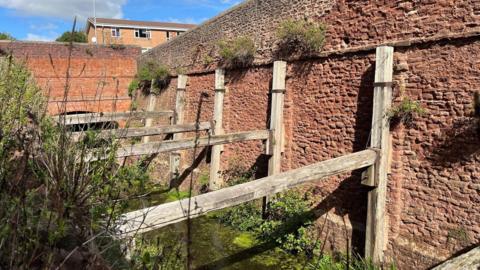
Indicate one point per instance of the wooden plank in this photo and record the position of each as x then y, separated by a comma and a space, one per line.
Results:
466, 261
151, 131
77, 119
152, 101
168, 146
176, 157
148, 219
376, 229
215, 177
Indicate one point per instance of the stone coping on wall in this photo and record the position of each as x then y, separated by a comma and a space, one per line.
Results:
473, 34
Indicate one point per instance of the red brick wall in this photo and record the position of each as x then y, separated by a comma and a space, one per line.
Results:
433, 199
99, 75
434, 185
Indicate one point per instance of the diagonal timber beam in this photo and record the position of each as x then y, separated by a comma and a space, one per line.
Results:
152, 218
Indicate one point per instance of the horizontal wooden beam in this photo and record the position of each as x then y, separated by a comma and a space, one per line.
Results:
175, 145
149, 131
87, 118
152, 218
168, 146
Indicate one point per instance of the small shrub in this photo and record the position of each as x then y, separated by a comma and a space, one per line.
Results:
237, 52
181, 70
150, 73
208, 60
301, 36
405, 111
133, 87
289, 223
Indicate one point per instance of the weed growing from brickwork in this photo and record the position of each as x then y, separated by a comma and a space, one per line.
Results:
237, 52
208, 60
405, 111
301, 36
151, 78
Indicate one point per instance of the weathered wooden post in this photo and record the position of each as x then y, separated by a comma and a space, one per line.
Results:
215, 177
152, 102
178, 119
275, 142
376, 230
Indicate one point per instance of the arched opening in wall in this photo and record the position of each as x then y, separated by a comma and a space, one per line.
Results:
91, 126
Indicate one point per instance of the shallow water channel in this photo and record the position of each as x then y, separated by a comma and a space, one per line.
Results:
216, 246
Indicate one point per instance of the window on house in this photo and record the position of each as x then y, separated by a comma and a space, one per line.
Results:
179, 33
115, 32
142, 33
168, 36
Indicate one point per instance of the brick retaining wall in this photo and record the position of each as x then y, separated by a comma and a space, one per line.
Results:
99, 75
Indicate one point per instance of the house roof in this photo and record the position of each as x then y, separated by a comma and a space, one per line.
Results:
140, 24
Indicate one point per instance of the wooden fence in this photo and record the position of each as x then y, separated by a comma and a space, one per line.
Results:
375, 160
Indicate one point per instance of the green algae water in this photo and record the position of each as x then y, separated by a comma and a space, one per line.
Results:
214, 245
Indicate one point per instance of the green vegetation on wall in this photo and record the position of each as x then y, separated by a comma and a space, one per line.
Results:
150, 78
300, 35
405, 111
237, 52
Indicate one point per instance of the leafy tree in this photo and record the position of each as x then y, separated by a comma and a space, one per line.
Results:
6, 36
76, 36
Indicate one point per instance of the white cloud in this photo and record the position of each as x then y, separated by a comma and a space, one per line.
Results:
66, 9
213, 4
43, 27
35, 37
185, 20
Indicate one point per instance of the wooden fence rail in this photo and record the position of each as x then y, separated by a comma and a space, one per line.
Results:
152, 218
175, 145
147, 131
87, 118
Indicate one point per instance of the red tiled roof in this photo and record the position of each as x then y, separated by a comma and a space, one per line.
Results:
119, 22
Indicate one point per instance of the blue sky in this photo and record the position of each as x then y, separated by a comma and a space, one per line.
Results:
47, 19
